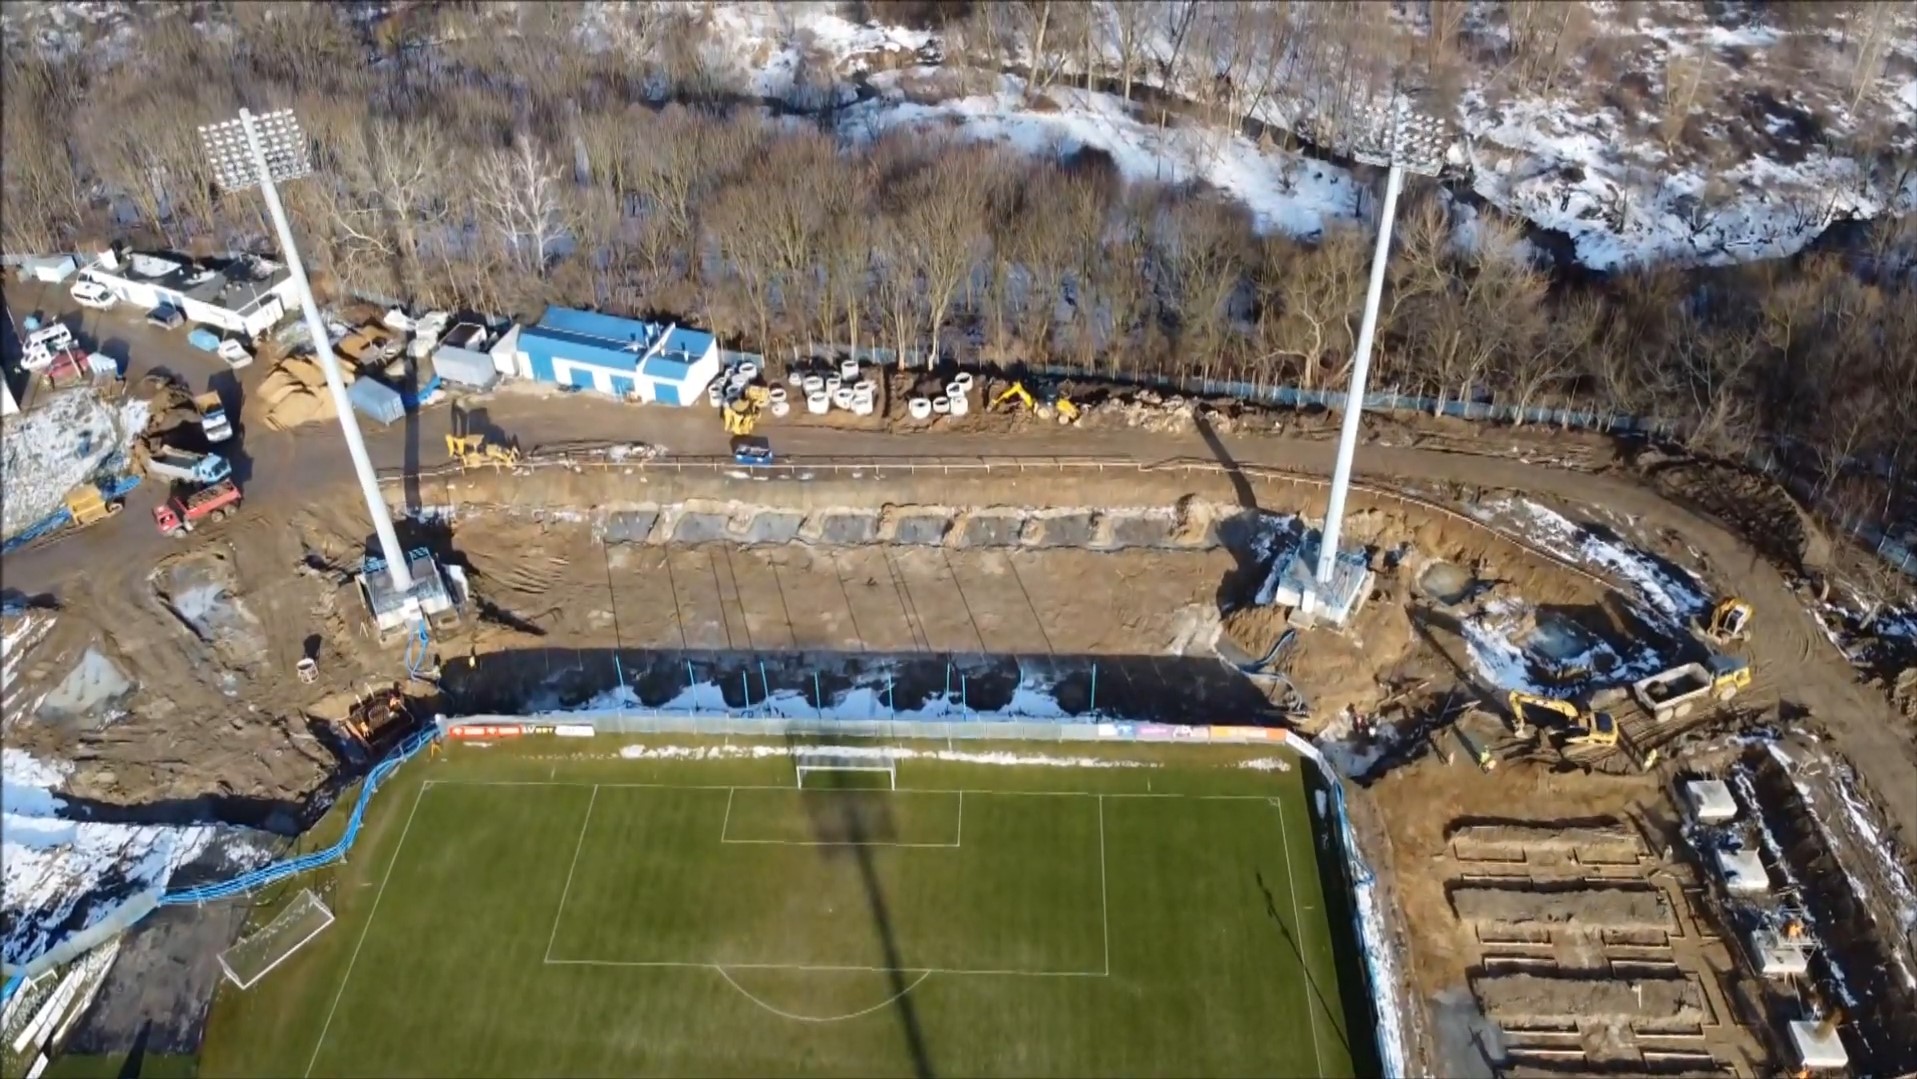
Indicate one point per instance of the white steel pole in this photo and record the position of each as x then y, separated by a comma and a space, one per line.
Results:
1355, 395
396, 570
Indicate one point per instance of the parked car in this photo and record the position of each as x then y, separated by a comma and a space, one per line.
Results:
234, 354
204, 339
92, 294
166, 317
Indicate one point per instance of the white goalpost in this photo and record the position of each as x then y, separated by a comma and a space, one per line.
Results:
815, 761
255, 955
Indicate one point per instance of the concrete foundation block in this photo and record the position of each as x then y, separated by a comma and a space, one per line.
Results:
1127, 530
990, 530
699, 528
1063, 530
847, 529
921, 529
630, 526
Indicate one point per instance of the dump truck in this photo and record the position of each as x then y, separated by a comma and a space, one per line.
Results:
1672, 694
187, 506
213, 417
188, 467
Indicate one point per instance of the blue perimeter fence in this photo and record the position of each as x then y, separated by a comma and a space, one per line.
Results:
1367, 914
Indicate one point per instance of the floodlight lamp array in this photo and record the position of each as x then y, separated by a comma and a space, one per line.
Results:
230, 152
1394, 135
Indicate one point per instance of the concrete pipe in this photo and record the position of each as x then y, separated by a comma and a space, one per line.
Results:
813, 384
849, 370
862, 406
832, 383
779, 408
955, 391
960, 406
716, 394
919, 408
776, 395
795, 378
818, 403
748, 370
941, 405
963, 379
842, 397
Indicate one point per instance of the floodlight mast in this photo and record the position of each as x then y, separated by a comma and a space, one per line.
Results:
237, 153
1409, 142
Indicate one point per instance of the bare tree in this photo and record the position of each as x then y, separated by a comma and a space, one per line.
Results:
517, 190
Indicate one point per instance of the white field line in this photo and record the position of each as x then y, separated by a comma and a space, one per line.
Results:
823, 968
353, 960
725, 826
1304, 962
566, 892
822, 1018
1104, 903
901, 790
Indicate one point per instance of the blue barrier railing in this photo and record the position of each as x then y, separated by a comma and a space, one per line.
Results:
279, 871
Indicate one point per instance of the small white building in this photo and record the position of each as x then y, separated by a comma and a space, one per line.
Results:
247, 296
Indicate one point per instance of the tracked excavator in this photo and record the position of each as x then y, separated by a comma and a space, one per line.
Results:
1059, 405
1591, 728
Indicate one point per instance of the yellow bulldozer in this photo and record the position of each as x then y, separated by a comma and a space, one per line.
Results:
1057, 404
1588, 728
472, 451
741, 414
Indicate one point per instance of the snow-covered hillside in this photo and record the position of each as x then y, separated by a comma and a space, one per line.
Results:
1643, 132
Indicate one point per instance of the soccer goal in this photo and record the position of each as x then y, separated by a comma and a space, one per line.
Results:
818, 762
256, 955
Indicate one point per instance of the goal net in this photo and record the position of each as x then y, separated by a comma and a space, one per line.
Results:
302, 919
822, 768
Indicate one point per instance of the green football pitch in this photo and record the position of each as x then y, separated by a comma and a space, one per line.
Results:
523, 912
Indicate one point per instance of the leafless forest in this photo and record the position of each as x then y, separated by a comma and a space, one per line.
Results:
500, 171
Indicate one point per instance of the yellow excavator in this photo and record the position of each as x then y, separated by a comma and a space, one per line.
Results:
471, 451
1593, 728
1060, 405
741, 414
1729, 621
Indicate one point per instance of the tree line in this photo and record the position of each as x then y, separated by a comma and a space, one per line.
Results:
502, 171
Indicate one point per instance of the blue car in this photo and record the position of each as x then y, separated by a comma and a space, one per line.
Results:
751, 450
166, 317
204, 339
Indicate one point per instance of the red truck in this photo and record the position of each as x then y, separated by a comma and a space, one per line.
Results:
176, 516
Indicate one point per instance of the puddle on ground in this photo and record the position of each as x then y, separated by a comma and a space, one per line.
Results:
1446, 583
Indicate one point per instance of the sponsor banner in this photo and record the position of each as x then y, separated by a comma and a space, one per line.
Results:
486, 730
575, 730
1081, 731
1108, 730
1188, 732
1123, 731
1154, 732
546, 728
1235, 734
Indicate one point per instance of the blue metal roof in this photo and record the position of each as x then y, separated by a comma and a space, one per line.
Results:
691, 343
607, 341
593, 351
594, 324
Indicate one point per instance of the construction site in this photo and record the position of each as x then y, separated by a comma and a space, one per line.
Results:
1632, 775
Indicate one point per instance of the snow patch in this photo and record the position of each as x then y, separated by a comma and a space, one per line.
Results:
61, 876
1675, 594
1285, 192
56, 446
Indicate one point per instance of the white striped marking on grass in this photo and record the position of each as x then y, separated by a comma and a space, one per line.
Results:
364, 929
577, 846
1304, 964
820, 1018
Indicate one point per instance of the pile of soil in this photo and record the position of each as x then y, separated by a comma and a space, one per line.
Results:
1530, 999
295, 393
1585, 909
1754, 506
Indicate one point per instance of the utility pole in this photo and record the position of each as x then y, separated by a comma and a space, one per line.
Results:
259, 150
